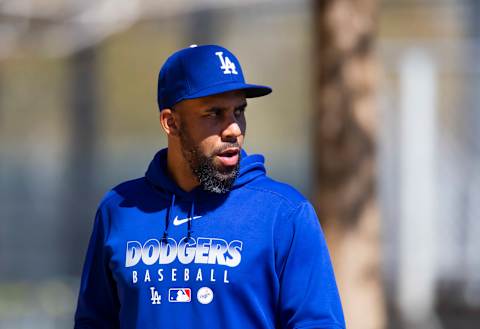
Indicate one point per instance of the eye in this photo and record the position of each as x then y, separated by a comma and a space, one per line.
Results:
239, 111
213, 113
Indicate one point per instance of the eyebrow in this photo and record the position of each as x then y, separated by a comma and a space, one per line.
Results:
217, 108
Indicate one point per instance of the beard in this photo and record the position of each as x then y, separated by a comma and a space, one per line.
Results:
212, 178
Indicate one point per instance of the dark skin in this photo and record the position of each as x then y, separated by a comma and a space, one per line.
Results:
211, 122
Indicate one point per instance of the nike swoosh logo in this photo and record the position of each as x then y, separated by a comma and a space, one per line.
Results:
177, 221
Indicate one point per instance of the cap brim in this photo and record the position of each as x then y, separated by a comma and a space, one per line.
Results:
251, 91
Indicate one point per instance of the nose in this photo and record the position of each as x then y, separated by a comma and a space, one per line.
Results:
232, 131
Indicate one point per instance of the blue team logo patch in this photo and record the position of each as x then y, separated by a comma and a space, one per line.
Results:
179, 295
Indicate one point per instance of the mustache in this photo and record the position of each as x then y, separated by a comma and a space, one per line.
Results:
226, 146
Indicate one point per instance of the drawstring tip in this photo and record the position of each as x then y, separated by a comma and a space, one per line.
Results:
165, 236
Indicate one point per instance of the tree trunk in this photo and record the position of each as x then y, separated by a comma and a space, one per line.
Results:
344, 149
83, 124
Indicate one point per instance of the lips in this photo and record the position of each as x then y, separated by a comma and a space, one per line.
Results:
229, 157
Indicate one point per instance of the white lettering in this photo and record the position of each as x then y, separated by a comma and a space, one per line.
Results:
156, 297
151, 251
134, 277
198, 251
134, 253
217, 252
234, 249
227, 66
168, 251
186, 250
201, 255
199, 275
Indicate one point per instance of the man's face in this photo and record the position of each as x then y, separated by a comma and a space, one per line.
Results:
211, 131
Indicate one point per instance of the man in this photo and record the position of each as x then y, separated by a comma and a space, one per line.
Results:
206, 239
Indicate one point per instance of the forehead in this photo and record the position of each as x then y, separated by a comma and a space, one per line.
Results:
230, 99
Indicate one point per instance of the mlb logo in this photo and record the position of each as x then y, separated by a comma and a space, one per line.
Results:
179, 295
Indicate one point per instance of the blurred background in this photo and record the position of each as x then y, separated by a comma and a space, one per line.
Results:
375, 117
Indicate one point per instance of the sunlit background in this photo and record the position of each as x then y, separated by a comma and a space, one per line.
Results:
78, 115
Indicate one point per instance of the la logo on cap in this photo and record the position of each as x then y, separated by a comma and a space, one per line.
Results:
227, 66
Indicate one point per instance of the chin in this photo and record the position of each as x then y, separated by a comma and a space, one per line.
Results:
226, 170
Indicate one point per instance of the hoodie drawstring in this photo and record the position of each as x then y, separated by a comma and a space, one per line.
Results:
169, 215
192, 214
167, 218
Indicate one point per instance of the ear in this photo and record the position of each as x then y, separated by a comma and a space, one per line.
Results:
169, 122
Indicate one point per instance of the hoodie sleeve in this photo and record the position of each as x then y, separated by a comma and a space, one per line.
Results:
98, 304
309, 297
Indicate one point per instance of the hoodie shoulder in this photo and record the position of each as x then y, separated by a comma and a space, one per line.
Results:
121, 191
253, 176
278, 190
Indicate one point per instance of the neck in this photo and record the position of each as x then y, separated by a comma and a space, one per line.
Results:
180, 171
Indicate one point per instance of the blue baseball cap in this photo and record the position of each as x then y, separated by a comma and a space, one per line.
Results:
200, 71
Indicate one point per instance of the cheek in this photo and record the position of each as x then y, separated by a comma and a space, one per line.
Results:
204, 129
209, 144
198, 132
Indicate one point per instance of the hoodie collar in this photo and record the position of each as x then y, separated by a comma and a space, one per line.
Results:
251, 168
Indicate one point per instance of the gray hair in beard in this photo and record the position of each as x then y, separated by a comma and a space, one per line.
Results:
211, 178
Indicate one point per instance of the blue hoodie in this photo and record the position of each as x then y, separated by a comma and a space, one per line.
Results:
163, 258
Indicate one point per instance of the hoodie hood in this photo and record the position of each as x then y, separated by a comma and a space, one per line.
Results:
251, 168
